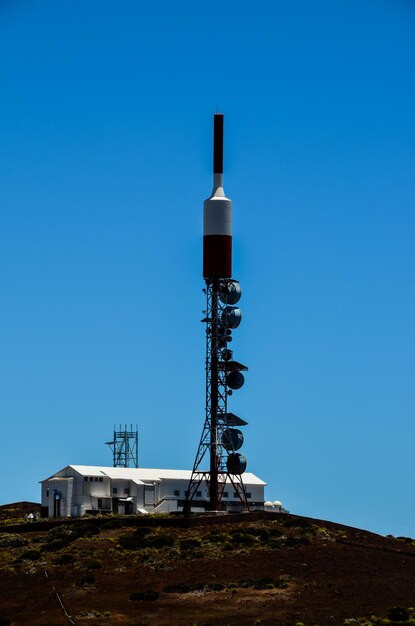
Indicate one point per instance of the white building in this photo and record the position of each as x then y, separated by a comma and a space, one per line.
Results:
79, 489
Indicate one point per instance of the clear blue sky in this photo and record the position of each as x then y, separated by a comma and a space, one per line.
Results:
105, 159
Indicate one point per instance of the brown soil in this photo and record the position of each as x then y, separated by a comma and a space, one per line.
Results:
328, 573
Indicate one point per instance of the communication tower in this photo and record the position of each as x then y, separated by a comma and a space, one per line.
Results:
124, 447
220, 440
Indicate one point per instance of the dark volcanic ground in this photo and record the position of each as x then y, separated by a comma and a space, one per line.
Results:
258, 568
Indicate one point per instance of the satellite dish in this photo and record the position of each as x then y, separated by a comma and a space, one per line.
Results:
230, 292
226, 355
236, 463
235, 379
232, 316
232, 439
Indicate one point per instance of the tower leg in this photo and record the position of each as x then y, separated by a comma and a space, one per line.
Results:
213, 400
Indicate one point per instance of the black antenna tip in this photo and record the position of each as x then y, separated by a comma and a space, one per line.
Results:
218, 143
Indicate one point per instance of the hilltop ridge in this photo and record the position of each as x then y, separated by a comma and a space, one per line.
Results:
255, 568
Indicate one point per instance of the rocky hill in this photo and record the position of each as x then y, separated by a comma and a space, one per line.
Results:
256, 568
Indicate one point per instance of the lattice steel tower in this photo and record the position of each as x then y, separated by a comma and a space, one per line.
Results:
124, 447
220, 440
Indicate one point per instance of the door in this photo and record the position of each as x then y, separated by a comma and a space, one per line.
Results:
57, 505
148, 495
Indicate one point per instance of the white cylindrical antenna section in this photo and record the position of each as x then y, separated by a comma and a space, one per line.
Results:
217, 227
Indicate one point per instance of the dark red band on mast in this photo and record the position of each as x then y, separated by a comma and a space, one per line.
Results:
217, 256
218, 143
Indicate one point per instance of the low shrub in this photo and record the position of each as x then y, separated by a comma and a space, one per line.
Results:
11, 540
215, 586
197, 554
142, 531
131, 543
216, 537
145, 596
189, 544
62, 532
284, 579
55, 545
138, 542
85, 580
295, 542
158, 541
243, 538
262, 533
398, 614
296, 522
71, 532
30, 555
65, 559
113, 523
86, 529
177, 588
264, 583
93, 564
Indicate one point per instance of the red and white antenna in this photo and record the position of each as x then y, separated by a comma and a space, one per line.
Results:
217, 222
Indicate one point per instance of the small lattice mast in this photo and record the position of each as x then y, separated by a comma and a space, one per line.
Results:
124, 447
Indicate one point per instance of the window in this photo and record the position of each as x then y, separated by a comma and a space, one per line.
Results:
47, 493
198, 494
85, 477
177, 492
100, 503
91, 478
226, 494
186, 493
100, 479
248, 494
96, 479
127, 491
114, 490
235, 494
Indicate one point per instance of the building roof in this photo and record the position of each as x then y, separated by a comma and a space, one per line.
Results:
142, 475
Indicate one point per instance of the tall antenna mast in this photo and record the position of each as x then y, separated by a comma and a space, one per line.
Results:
220, 440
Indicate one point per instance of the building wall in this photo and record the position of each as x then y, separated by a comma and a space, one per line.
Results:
57, 496
80, 494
